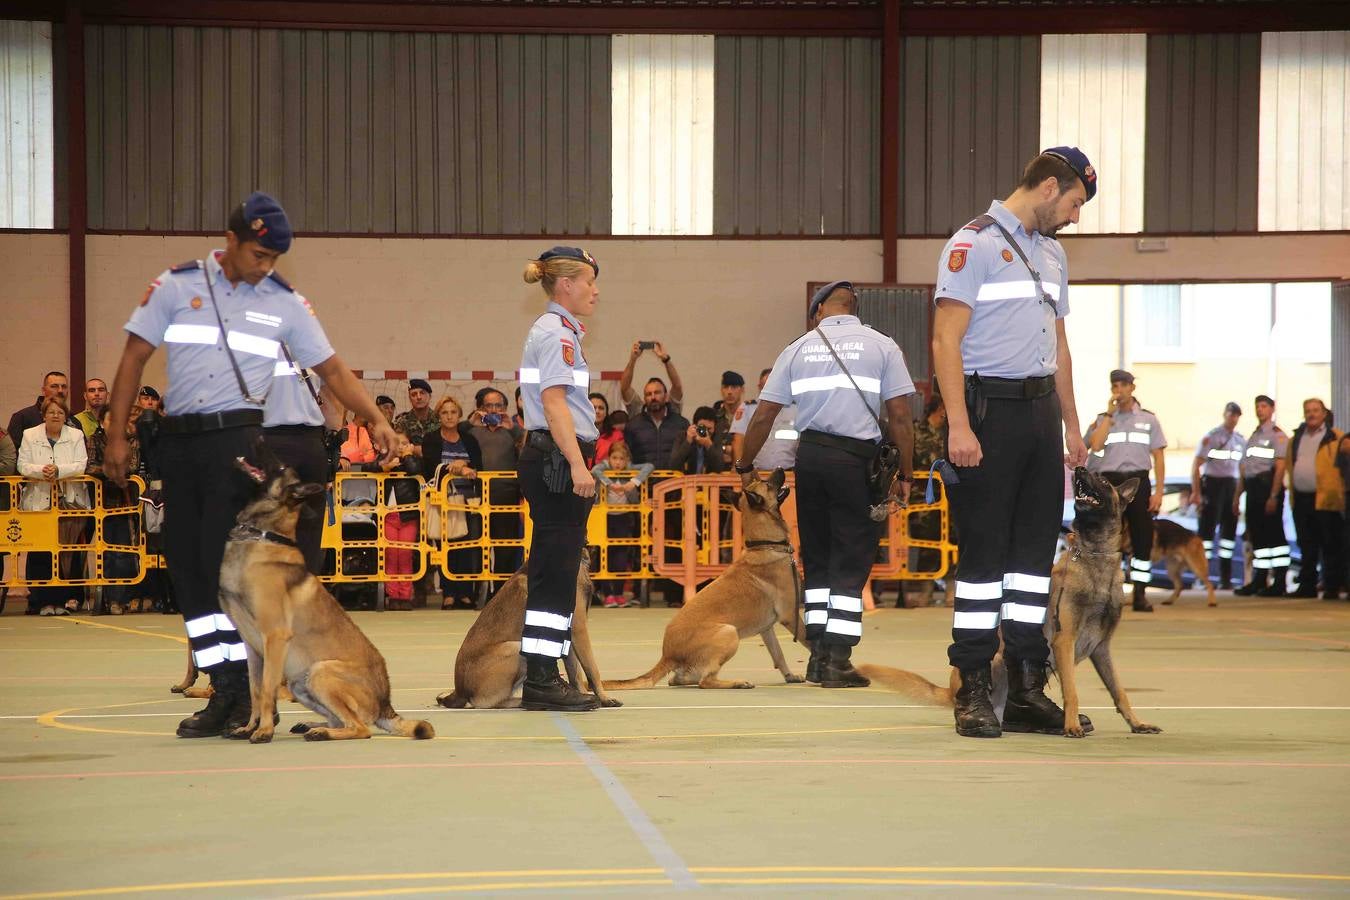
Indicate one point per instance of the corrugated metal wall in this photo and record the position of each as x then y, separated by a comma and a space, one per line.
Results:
26, 125
797, 136
1305, 131
1340, 351
663, 92
969, 121
902, 312
1201, 159
362, 132
1092, 97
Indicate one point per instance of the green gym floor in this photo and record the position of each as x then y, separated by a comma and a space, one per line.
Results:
785, 788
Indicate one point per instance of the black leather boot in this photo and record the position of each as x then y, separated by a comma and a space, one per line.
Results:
974, 710
1028, 710
836, 670
1141, 603
545, 689
1225, 574
818, 653
1255, 586
213, 719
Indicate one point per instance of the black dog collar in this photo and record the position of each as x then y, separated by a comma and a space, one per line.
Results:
243, 533
752, 545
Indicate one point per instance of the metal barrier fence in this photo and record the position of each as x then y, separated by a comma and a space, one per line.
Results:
682, 528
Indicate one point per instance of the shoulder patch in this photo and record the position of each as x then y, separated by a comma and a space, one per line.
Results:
273, 276
956, 261
569, 353
148, 291
188, 266
979, 223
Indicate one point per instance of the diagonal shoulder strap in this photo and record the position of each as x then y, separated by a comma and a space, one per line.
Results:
225, 339
1035, 275
830, 346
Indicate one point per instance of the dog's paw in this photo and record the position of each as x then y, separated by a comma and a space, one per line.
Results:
300, 727
1145, 728
243, 731
1075, 731
794, 679
316, 734
261, 736
611, 703
743, 685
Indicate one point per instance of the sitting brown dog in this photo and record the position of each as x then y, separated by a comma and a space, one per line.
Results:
293, 627
758, 591
489, 669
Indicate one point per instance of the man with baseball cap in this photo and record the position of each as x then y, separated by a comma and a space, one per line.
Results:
1214, 473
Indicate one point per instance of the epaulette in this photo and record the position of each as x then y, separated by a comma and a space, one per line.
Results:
188, 266
281, 281
979, 223
568, 325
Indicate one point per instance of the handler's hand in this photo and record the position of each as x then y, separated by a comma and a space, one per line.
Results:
1154, 502
747, 477
963, 448
115, 458
1077, 450
1270, 505
385, 440
583, 482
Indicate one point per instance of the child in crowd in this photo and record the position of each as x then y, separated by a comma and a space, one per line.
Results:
401, 526
621, 495
611, 432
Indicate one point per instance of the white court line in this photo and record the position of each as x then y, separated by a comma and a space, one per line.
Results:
631, 709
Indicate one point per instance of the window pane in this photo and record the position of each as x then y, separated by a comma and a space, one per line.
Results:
26, 137
1162, 315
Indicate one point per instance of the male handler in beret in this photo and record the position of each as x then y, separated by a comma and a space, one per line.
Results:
223, 321
1002, 359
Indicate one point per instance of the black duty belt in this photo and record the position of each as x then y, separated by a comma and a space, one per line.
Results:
544, 443
295, 429
1011, 388
197, 423
855, 446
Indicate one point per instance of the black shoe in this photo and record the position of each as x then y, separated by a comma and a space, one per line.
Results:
1250, 589
1331, 594
1225, 586
1028, 710
836, 670
216, 718
1305, 593
813, 664
545, 689
973, 708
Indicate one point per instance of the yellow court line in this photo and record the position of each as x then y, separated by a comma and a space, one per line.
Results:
784, 871
493, 886
122, 628
49, 719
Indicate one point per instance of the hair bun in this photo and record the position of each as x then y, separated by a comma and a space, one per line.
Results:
534, 271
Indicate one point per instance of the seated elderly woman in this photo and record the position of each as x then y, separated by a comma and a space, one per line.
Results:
49, 453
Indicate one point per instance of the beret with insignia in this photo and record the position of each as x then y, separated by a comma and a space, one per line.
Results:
823, 294
266, 222
570, 253
1078, 161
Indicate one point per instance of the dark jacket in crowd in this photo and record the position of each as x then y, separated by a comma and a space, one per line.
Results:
684, 456
432, 444
653, 444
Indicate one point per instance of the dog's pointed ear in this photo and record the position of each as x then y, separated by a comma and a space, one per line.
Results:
777, 478
783, 494
255, 474
1127, 491
754, 499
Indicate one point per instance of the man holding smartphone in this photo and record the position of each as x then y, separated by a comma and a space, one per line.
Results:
635, 404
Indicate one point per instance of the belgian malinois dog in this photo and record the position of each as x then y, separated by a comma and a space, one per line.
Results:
489, 669
1180, 547
293, 627
1086, 585
759, 590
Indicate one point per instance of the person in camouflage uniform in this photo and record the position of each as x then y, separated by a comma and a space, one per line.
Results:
419, 420
930, 445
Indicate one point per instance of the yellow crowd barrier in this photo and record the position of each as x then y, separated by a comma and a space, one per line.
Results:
70, 518
682, 528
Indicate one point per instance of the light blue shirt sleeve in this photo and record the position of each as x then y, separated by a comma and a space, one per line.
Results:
551, 348
778, 389
961, 269
1157, 440
895, 377
305, 337
151, 319
1062, 304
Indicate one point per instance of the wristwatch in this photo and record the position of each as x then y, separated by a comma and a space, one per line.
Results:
743, 469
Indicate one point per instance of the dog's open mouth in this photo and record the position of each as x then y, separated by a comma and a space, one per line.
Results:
1084, 495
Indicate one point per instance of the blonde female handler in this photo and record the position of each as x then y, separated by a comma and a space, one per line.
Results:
561, 433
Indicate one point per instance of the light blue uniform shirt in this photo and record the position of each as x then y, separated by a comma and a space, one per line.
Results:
780, 448
1222, 451
1130, 443
290, 402
1267, 444
1012, 330
177, 312
805, 373
553, 357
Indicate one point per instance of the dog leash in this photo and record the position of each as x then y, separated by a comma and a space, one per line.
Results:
796, 580
250, 534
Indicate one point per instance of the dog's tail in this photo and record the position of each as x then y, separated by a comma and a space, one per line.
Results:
658, 671
392, 722
912, 685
